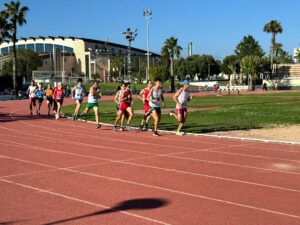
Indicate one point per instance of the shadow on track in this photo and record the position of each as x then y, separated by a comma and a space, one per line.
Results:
134, 204
5, 117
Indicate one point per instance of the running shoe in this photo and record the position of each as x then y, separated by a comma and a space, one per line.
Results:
155, 133
98, 126
115, 128
74, 117
56, 116
172, 113
179, 133
127, 127
121, 129
141, 128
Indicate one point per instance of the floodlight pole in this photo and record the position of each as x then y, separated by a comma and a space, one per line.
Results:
148, 15
130, 36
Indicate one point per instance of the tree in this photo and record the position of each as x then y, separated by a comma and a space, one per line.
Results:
160, 71
281, 56
4, 27
273, 27
230, 65
250, 65
27, 62
117, 63
171, 50
15, 16
248, 46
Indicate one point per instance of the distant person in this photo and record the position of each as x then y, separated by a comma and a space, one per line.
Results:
119, 93
125, 106
265, 87
59, 95
77, 94
143, 95
181, 97
155, 96
40, 98
31, 91
92, 103
276, 86
49, 98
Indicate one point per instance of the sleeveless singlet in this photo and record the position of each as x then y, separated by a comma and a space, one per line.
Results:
156, 95
183, 99
78, 92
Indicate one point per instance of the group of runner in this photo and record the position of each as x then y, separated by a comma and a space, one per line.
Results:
54, 98
151, 95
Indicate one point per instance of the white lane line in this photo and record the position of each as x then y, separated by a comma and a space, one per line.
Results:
84, 201
127, 162
171, 155
169, 190
248, 144
232, 164
196, 150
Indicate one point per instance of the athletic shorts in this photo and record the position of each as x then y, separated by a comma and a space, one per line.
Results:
124, 106
92, 105
40, 100
59, 101
33, 100
49, 99
181, 111
79, 100
118, 106
157, 109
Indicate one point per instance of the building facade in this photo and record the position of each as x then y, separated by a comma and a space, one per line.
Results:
75, 57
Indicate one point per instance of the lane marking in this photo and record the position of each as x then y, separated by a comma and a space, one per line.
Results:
127, 162
84, 202
162, 189
194, 150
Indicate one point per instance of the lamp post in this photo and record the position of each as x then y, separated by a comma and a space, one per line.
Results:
63, 66
148, 15
130, 36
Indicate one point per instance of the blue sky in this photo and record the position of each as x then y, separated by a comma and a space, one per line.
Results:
215, 27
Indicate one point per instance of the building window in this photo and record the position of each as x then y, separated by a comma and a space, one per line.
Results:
30, 47
59, 47
48, 48
4, 51
39, 48
68, 49
21, 47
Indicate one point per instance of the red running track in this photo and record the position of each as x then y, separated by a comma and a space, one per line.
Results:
65, 172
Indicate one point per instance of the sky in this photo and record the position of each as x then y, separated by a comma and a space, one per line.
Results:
215, 27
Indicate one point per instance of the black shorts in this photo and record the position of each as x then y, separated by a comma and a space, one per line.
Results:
40, 100
50, 99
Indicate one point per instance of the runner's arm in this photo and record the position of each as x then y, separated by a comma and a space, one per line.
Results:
175, 97
149, 98
115, 98
141, 95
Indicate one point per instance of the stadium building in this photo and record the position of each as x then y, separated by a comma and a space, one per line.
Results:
72, 57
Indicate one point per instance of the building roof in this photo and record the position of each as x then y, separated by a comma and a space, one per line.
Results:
88, 40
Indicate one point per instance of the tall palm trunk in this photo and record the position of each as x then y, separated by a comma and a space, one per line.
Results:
272, 52
172, 74
250, 82
15, 65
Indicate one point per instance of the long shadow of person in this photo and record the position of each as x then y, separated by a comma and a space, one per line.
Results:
134, 204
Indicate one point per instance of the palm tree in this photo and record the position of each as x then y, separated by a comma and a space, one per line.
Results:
273, 27
4, 27
15, 16
170, 50
250, 65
